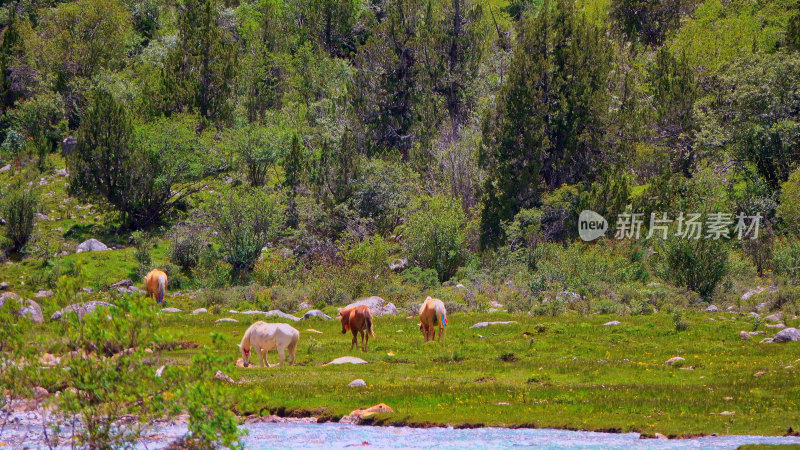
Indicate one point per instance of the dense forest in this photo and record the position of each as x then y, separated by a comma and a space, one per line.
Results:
275, 151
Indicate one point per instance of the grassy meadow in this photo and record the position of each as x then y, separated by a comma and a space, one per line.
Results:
564, 372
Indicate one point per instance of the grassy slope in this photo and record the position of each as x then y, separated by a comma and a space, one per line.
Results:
574, 374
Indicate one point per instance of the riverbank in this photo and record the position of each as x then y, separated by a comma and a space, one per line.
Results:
567, 372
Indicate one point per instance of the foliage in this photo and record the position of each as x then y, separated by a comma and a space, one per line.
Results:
548, 127
787, 257
186, 248
142, 171
647, 21
433, 234
789, 208
245, 222
696, 264
382, 192
18, 208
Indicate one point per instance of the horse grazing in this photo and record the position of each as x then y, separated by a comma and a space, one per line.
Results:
357, 319
432, 312
156, 285
263, 337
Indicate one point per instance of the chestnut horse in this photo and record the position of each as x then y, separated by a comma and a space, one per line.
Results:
357, 319
156, 285
432, 313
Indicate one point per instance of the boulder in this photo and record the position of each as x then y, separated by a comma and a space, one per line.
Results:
786, 335
752, 292
122, 284
377, 305
316, 313
251, 312
777, 317
486, 324
304, 305
199, 311
68, 145
744, 335
674, 360
282, 315
91, 245
357, 383
27, 308
612, 323
170, 310
712, 308
222, 377
226, 319
3, 286
766, 341
357, 415
81, 309
775, 325
398, 265
347, 360
43, 294
124, 291
5, 168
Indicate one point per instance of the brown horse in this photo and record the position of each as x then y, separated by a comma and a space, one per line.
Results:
156, 285
357, 319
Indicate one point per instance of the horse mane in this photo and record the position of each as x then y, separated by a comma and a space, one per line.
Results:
246, 338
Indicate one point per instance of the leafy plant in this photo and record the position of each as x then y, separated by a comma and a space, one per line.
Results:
19, 210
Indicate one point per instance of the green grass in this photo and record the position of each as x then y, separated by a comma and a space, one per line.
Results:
574, 374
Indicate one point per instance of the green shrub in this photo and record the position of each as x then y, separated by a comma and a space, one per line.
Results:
245, 222
678, 321
786, 257
19, 210
433, 235
274, 267
382, 192
697, 265
186, 248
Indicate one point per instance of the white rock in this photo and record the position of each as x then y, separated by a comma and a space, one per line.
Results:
225, 319
347, 360
199, 311
91, 245
357, 383
486, 324
613, 322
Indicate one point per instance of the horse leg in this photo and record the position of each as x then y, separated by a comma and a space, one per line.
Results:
282, 353
355, 339
365, 335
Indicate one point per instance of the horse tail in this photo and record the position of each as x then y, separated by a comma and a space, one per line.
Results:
368, 317
162, 287
445, 322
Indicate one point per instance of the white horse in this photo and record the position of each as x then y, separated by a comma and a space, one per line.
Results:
263, 337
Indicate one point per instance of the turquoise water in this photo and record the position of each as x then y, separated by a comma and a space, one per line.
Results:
334, 435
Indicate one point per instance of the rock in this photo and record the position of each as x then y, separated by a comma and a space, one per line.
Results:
357, 383
43, 217
233, 311
281, 314
675, 359
359, 414
612, 323
27, 308
304, 305
568, 296
759, 373
755, 333
752, 292
727, 413
226, 319
377, 305
3, 286
775, 325
486, 324
762, 306
777, 317
137, 290
40, 393
222, 377
347, 360
48, 359
252, 312
787, 334
43, 294
159, 371
88, 290
495, 304
124, 291
171, 310
660, 436
755, 314
199, 311
743, 335
81, 309
398, 265
730, 309
766, 341
68, 145
91, 245
62, 172
122, 284
712, 308
316, 313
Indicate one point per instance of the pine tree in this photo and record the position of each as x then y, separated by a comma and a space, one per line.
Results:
550, 119
199, 71
8, 51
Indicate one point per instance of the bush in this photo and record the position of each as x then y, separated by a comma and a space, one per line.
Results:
382, 192
786, 257
433, 235
186, 248
245, 222
273, 267
19, 210
697, 265
678, 321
